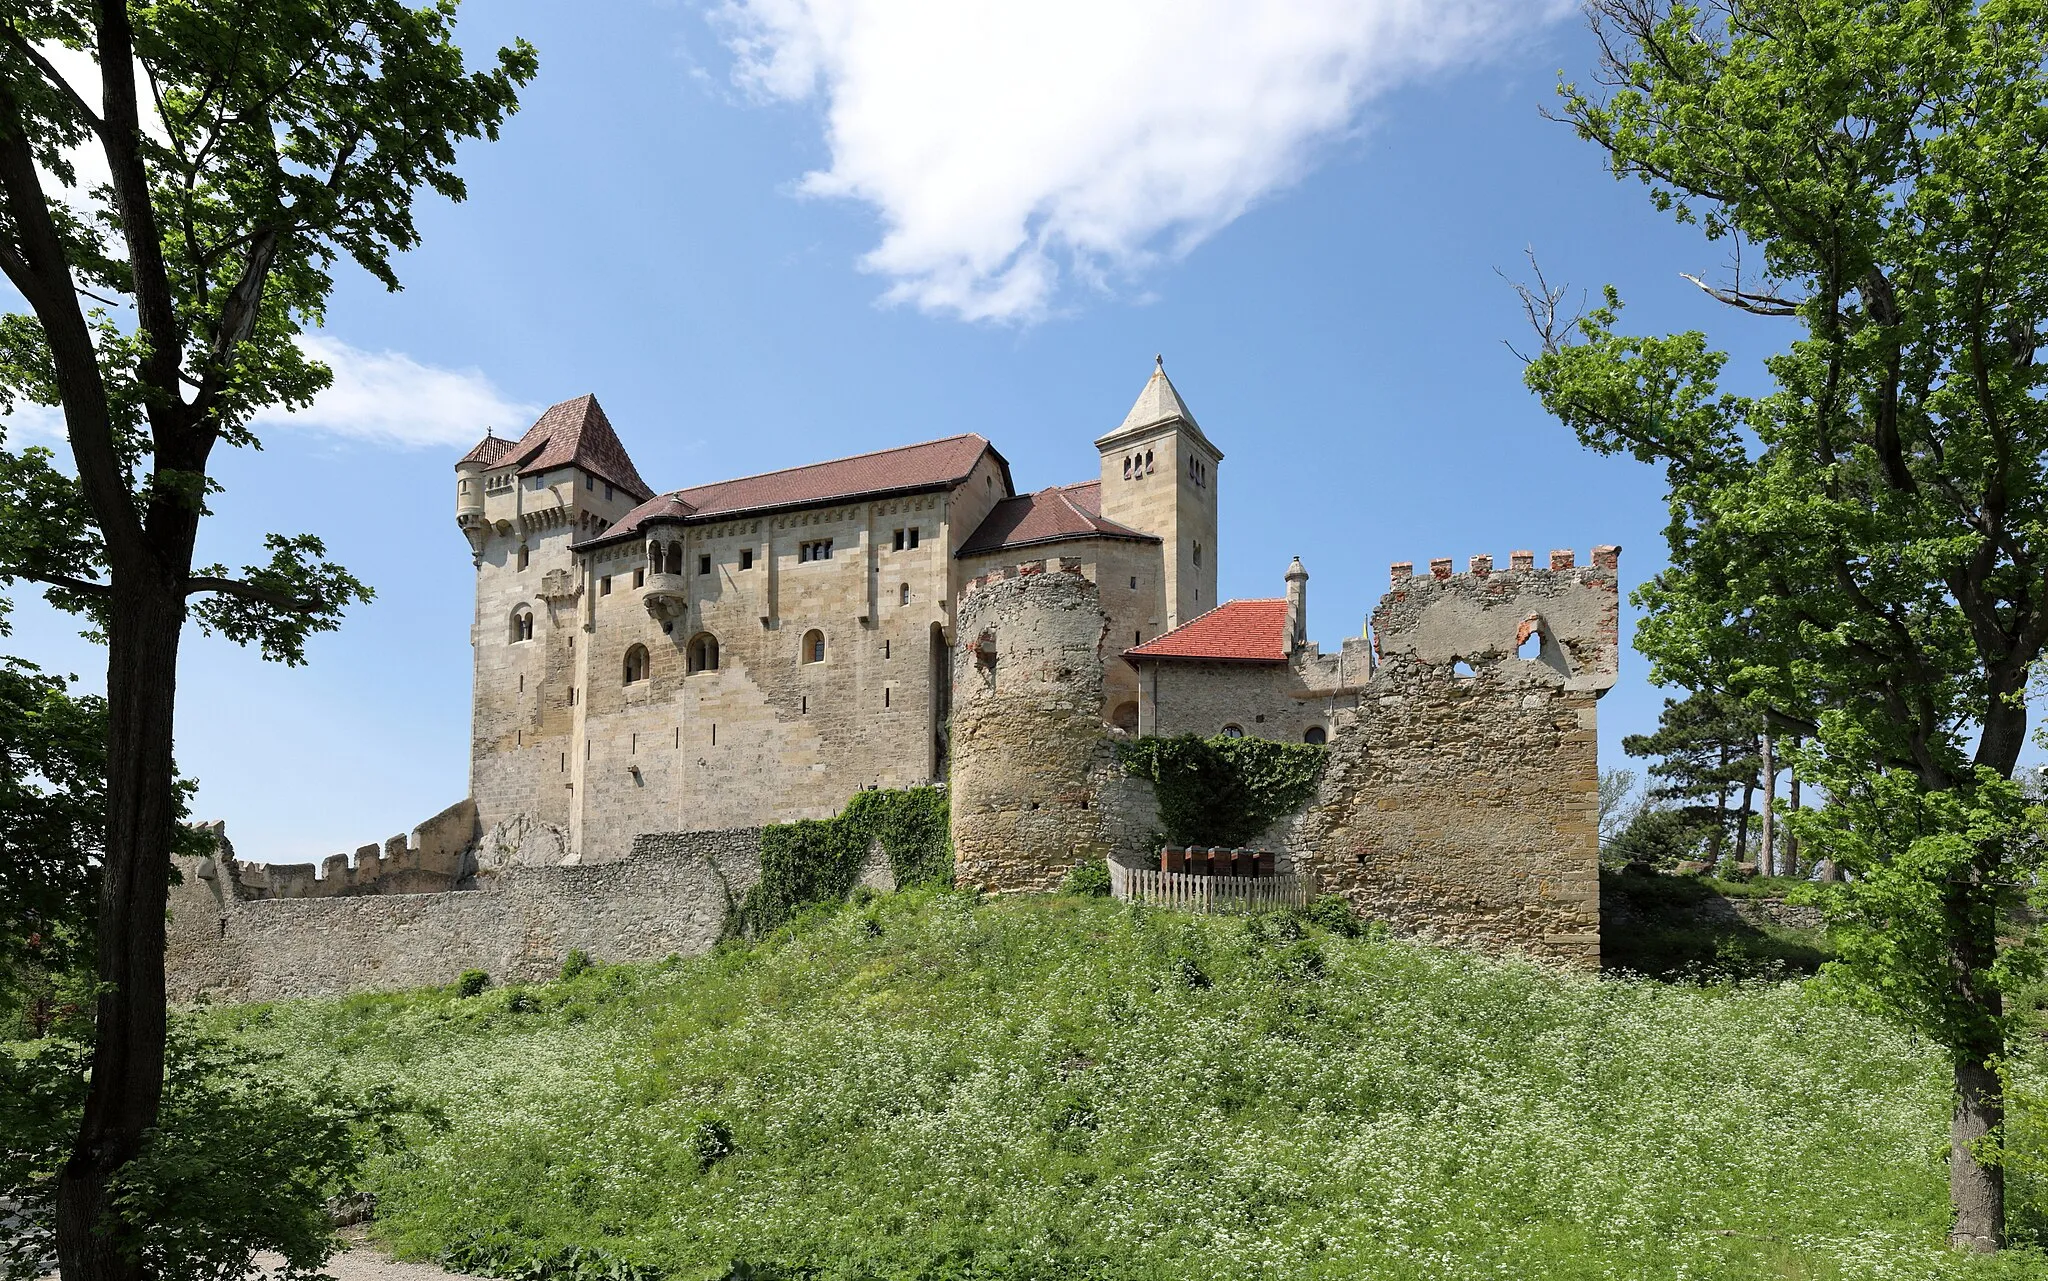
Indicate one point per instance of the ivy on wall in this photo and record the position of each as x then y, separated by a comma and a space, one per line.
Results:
1223, 791
815, 861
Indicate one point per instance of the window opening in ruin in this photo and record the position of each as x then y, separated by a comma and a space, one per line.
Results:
522, 556
604, 585
1462, 670
522, 624
640, 576
746, 558
1531, 646
636, 664
703, 564
703, 653
1314, 735
1233, 731
1125, 716
814, 646
904, 594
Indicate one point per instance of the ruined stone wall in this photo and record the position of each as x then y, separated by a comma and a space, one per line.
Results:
434, 858
1030, 753
1466, 808
670, 896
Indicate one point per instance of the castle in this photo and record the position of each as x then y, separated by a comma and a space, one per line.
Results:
657, 675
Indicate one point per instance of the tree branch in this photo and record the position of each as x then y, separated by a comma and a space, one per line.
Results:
197, 584
1756, 304
84, 587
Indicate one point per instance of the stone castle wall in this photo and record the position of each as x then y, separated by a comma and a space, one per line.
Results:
671, 896
1466, 807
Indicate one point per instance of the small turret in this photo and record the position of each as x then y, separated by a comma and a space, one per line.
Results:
469, 491
1297, 606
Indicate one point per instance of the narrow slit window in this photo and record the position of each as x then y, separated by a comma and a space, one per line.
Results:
903, 596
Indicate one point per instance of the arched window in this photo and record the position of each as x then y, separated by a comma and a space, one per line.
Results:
903, 595
636, 664
675, 558
1125, 716
1314, 735
1127, 469
522, 624
1148, 462
814, 646
703, 653
1233, 731
522, 556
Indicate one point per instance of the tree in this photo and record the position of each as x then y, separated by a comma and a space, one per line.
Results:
1705, 745
53, 798
1871, 534
247, 148
1619, 802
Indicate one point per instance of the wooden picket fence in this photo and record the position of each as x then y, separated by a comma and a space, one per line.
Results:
1189, 892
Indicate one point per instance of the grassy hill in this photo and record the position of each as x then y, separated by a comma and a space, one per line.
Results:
932, 1086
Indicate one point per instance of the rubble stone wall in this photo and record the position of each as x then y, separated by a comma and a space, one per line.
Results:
1032, 762
1465, 807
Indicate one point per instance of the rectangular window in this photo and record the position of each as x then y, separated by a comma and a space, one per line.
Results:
589, 481
703, 564
913, 537
885, 695
640, 577
899, 540
746, 558
1134, 582
607, 493
604, 585
539, 483
885, 649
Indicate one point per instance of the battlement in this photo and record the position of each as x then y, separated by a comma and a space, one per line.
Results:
1055, 565
1605, 557
1566, 616
434, 858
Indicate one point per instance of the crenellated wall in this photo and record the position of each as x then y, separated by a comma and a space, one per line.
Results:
434, 858
1461, 800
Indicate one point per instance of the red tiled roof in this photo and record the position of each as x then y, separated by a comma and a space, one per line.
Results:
931, 465
486, 451
1238, 631
576, 433
659, 507
1048, 516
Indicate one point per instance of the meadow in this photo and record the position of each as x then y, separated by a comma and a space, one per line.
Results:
931, 1085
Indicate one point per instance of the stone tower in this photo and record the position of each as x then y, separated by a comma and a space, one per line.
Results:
521, 504
1159, 476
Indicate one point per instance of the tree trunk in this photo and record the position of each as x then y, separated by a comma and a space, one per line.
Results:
1742, 820
1767, 845
1792, 838
143, 626
1976, 1186
1720, 836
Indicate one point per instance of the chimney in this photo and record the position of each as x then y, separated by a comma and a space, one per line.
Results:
1297, 606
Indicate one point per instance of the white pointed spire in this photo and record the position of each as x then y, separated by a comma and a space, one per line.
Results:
1158, 403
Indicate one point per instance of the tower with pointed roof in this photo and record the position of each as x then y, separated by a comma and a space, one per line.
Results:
1159, 476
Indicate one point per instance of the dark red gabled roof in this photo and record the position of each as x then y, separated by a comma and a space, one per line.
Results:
1238, 631
576, 433
486, 451
935, 464
1048, 516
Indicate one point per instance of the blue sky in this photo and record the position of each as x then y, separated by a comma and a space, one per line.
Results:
795, 229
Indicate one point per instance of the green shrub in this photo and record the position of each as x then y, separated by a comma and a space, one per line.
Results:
1223, 791
243, 1159
711, 1141
575, 963
816, 861
472, 983
1333, 912
1089, 877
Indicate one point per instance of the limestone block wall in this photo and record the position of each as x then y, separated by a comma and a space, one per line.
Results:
1265, 700
671, 895
1466, 807
1030, 754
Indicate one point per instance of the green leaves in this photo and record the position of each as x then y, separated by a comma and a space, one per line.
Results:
1223, 791
279, 604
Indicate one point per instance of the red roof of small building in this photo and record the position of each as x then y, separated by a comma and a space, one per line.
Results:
935, 464
1238, 631
1051, 515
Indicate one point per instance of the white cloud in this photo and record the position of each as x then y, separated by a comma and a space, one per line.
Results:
388, 398
1006, 143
